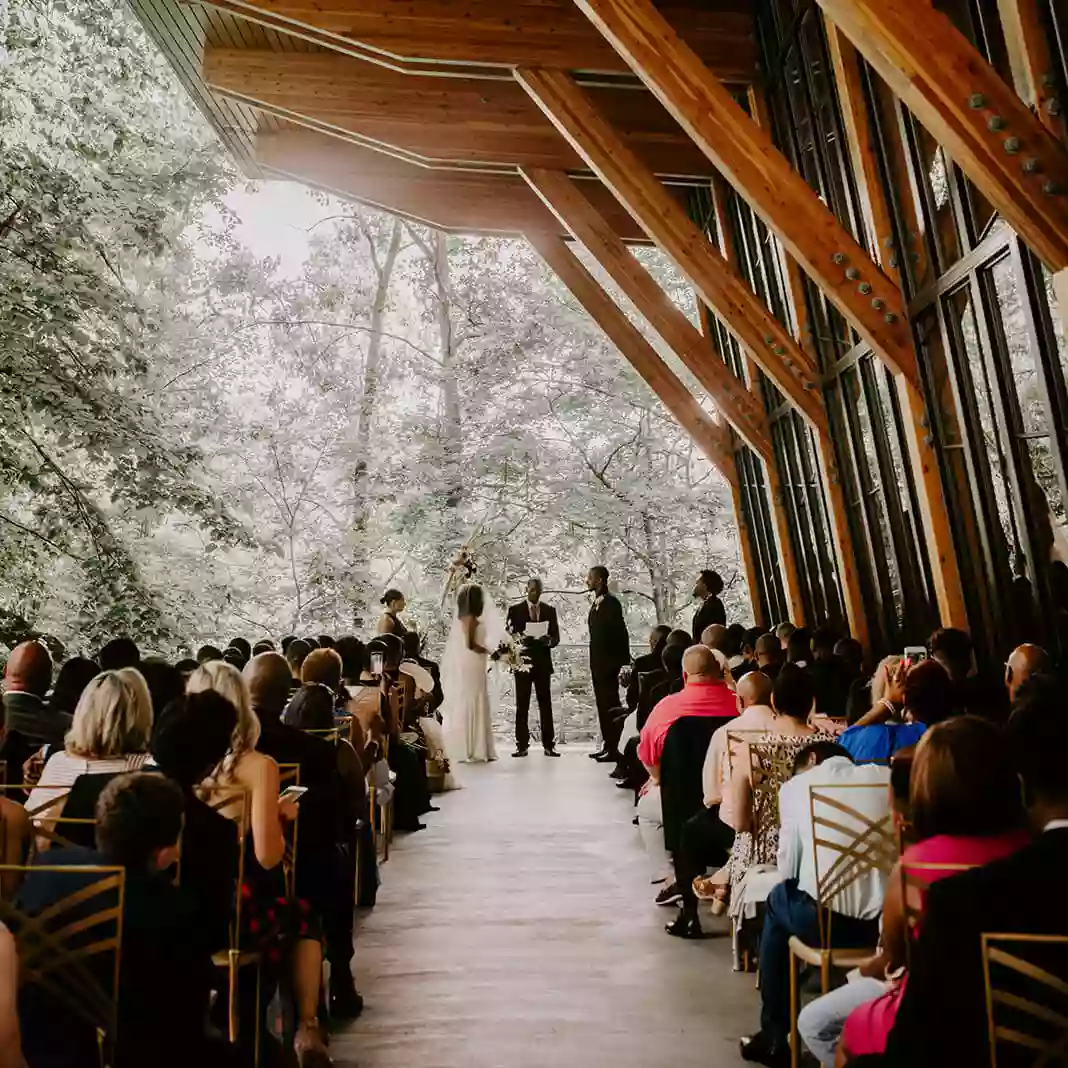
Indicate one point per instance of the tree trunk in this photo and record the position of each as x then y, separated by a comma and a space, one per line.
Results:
452, 415
364, 419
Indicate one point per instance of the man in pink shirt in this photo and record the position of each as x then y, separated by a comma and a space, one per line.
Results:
704, 694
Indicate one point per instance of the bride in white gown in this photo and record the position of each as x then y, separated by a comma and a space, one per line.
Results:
467, 713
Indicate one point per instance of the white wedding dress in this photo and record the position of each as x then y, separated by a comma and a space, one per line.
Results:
467, 712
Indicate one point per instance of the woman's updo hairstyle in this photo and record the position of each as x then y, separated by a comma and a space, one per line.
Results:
390, 596
470, 600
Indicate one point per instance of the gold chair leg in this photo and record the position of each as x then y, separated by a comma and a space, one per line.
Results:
795, 1052
825, 972
232, 990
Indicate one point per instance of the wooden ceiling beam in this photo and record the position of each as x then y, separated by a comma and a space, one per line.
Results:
446, 123
740, 407
989, 131
452, 201
709, 436
746, 155
486, 37
665, 221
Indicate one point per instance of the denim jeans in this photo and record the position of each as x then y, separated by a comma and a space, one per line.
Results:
791, 911
821, 1021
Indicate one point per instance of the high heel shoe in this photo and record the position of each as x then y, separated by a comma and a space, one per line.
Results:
309, 1048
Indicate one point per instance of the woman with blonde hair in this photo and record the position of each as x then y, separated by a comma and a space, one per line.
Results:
269, 919
110, 733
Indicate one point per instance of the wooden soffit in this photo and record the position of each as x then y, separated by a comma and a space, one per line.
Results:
453, 201
441, 123
488, 36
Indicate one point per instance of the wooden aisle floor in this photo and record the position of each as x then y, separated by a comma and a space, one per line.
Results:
518, 930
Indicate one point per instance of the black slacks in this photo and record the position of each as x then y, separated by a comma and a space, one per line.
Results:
541, 683
705, 843
606, 694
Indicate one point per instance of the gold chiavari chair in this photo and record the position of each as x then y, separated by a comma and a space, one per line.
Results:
71, 951
224, 800
737, 753
1026, 979
289, 775
771, 763
848, 845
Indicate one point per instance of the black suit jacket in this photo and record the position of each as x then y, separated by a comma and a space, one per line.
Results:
641, 665
609, 640
711, 611
942, 1017
541, 657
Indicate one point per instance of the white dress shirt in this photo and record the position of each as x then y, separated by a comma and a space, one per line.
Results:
864, 898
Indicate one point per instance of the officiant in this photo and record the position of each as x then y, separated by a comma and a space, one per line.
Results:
537, 625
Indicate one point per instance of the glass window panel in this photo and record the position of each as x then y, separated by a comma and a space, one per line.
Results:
1026, 375
1058, 322
933, 175
959, 305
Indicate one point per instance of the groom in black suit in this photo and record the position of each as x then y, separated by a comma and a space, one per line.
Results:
609, 651
539, 676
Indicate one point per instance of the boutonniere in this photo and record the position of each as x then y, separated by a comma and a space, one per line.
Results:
597, 601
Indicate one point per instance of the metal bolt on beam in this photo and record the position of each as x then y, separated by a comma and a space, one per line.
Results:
877, 304
852, 274
1012, 145
976, 101
995, 123
840, 258
1053, 106
769, 339
1052, 188
1031, 165
864, 289
890, 318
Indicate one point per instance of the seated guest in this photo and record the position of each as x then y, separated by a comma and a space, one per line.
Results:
966, 810
732, 649
29, 722
942, 1016
1024, 661
353, 659
413, 653
268, 915
119, 653
243, 646
677, 644
284, 643
704, 693
109, 735
165, 683
850, 654
207, 653
749, 659
791, 905
978, 693
915, 699
784, 632
75, 674
715, 636
190, 739
264, 645
186, 666
769, 655
235, 658
625, 720
324, 667
296, 653
312, 643
10, 1040
707, 838
325, 641
830, 677
821, 1021
166, 975
799, 648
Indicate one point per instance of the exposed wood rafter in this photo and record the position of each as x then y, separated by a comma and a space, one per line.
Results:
709, 436
748, 158
987, 129
741, 409
665, 221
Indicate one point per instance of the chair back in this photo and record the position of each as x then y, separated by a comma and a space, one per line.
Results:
1026, 978
737, 753
771, 763
853, 840
289, 775
70, 952
681, 765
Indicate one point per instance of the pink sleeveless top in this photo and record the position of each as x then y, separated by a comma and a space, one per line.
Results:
868, 1026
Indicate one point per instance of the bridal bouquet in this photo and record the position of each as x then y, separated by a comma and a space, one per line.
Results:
510, 654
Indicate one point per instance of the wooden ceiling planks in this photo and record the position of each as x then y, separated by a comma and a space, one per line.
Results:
440, 122
495, 33
454, 201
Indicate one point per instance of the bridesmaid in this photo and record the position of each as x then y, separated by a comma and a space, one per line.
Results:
389, 622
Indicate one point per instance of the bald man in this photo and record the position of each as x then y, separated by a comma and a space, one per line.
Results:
704, 693
1024, 661
29, 722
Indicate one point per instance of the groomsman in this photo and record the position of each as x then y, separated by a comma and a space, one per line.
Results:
609, 651
538, 678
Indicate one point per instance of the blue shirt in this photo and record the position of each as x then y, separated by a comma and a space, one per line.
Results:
877, 743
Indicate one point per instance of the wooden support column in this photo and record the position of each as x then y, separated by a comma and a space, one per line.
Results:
746, 155
736, 305
1032, 62
710, 437
741, 409
772, 483
930, 492
989, 131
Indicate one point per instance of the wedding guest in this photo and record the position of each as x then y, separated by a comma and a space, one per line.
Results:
208, 652
799, 648
322, 666
165, 683
977, 692
353, 659
413, 651
243, 646
1024, 661
29, 722
296, 653
109, 734
75, 674
830, 677
791, 905
390, 622
119, 653
769, 655
707, 588
609, 651
784, 632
